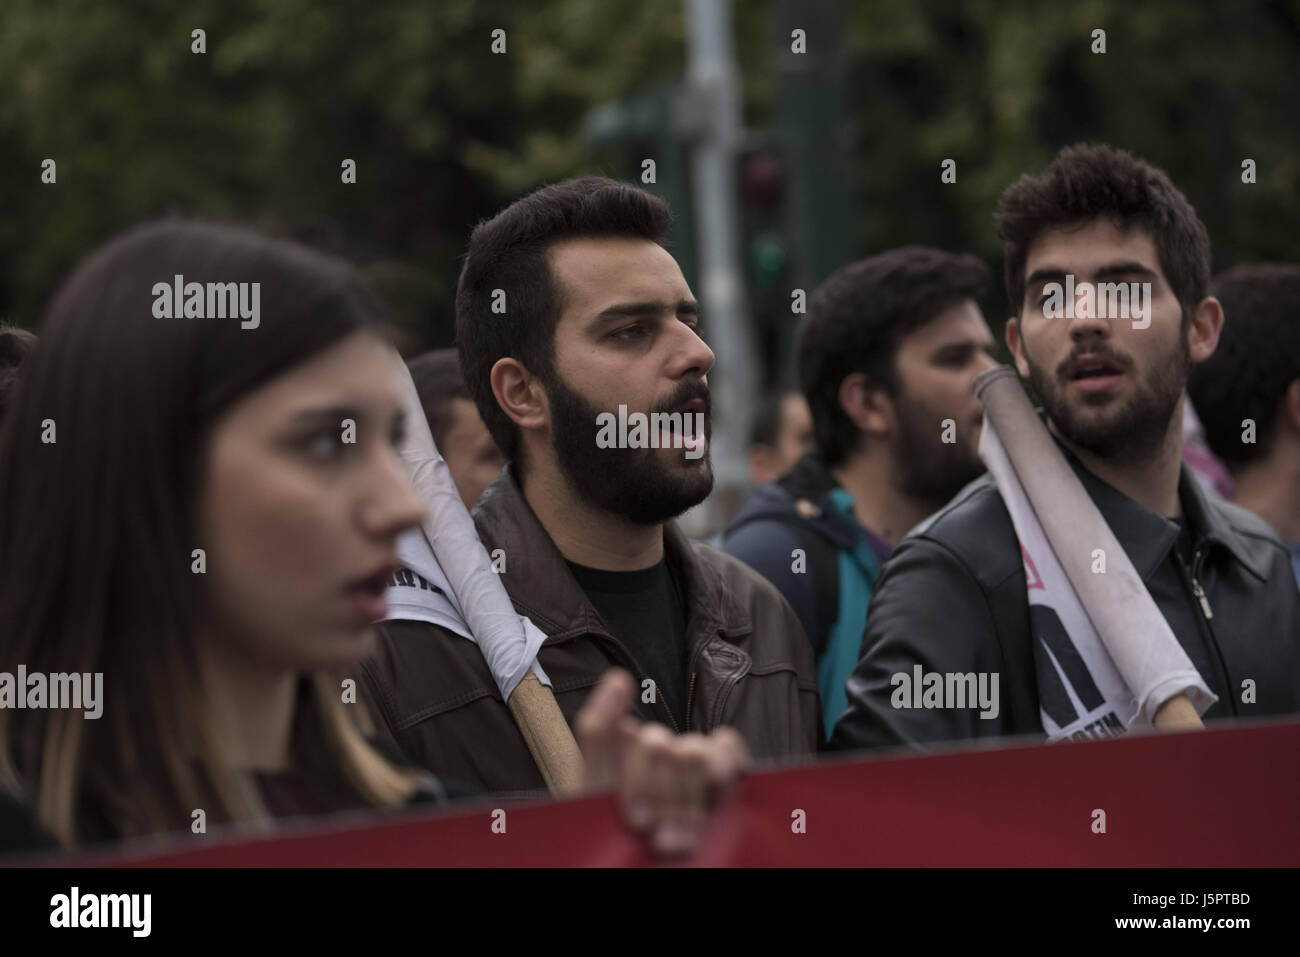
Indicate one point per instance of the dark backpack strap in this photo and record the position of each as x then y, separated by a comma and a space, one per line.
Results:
823, 566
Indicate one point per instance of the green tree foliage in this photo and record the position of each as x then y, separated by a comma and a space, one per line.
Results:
1001, 86
444, 131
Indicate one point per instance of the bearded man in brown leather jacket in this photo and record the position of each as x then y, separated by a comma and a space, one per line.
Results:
572, 319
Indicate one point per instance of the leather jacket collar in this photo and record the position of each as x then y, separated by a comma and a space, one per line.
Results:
542, 587
1147, 537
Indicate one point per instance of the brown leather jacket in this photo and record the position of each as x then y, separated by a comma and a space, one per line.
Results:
750, 665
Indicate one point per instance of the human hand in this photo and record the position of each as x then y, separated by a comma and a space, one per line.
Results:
666, 784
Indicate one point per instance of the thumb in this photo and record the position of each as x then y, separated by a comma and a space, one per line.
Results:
602, 728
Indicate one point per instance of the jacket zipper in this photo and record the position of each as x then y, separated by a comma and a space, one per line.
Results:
690, 696
635, 669
1199, 592
690, 682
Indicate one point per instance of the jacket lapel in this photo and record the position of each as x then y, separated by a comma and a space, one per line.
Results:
1145, 536
536, 577
542, 587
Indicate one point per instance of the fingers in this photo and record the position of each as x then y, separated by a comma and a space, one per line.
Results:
644, 782
684, 767
671, 783
666, 784
728, 758
603, 728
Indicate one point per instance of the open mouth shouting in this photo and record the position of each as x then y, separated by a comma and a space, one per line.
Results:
692, 439
1094, 372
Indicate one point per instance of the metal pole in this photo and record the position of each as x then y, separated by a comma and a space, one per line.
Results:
713, 78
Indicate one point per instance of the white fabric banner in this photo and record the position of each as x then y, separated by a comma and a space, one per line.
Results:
1081, 692
421, 592
466, 595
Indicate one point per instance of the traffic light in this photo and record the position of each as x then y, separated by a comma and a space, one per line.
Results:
762, 194
767, 254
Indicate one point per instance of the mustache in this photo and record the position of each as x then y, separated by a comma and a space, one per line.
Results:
1104, 352
687, 392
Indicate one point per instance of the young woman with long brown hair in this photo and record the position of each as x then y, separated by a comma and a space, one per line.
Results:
203, 509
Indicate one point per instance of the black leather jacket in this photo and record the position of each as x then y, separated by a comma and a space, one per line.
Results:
953, 598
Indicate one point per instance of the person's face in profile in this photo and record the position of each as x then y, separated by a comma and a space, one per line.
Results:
936, 368
628, 335
794, 437
470, 453
302, 500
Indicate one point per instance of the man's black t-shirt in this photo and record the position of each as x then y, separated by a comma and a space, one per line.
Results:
644, 610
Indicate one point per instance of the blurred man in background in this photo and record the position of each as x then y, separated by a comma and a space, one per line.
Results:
887, 358
782, 433
1248, 393
458, 431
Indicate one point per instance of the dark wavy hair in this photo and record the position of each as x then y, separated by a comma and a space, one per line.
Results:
1257, 359
1086, 182
508, 253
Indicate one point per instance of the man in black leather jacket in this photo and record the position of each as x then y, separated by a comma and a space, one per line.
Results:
953, 597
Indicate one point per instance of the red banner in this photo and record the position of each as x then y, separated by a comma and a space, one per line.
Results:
1217, 798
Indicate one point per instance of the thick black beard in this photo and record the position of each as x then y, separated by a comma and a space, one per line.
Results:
930, 471
631, 483
1134, 431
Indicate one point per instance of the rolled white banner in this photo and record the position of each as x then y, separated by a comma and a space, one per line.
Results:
1135, 639
447, 552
